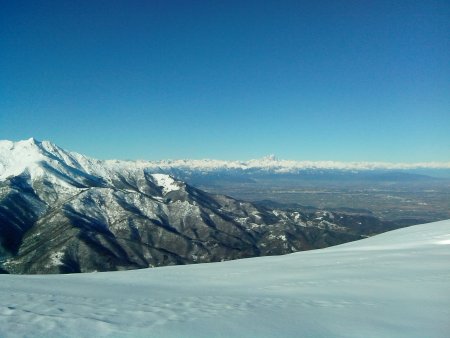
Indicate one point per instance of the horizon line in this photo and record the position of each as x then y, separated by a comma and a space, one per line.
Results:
270, 161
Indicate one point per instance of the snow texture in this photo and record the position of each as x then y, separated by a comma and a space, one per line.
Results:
392, 285
15, 157
166, 182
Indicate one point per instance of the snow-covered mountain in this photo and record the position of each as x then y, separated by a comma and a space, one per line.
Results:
391, 285
268, 164
63, 212
272, 164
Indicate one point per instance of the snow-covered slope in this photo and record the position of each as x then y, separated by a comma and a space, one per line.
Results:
391, 285
44, 159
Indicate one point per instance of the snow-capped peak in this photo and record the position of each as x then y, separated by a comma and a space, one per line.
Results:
39, 159
72, 170
270, 158
16, 157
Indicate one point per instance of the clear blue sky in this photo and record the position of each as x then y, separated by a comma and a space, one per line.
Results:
306, 80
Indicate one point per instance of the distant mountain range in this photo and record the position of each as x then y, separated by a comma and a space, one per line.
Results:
64, 212
264, 166
272, 164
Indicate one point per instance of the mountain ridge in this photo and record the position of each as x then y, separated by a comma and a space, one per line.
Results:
64, 212
269, 163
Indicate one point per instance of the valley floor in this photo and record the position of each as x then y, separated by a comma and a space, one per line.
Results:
392, 285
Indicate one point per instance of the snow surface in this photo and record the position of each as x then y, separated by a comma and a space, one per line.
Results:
396, 284
166, 182
15, 157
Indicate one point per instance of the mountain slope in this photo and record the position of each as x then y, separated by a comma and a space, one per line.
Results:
64, 212
390, 285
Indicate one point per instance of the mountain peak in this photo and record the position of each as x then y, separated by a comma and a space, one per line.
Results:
16, 157
32, 140
31, 155
270, 158
28, 143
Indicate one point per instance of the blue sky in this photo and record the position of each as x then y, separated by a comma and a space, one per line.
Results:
305, 80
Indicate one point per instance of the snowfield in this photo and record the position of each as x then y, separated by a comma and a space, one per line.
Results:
392, 285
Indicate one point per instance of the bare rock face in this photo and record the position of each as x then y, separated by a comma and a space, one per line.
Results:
61, 212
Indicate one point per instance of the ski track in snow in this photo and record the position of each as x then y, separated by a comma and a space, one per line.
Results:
391, 285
